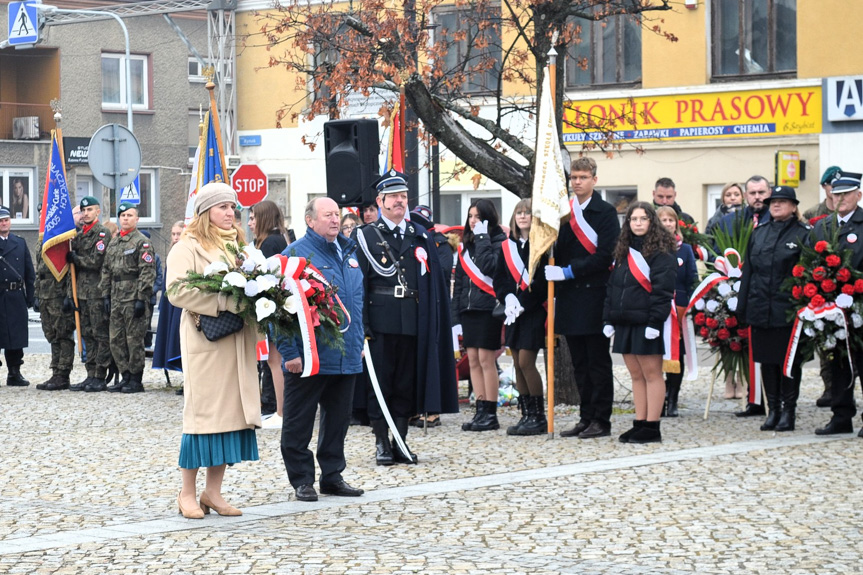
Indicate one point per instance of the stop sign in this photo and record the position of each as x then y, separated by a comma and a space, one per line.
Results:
250, 182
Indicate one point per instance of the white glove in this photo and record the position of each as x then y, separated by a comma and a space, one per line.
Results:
554, 273
456, 331
608, 331
513, 309
651, 333
480, 227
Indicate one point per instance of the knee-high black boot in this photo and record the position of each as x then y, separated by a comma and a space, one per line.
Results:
398, 455
770, 376
790, 388
383, 451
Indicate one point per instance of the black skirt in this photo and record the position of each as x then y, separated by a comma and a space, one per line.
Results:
481, 330
630, 339
528, 331
769, 345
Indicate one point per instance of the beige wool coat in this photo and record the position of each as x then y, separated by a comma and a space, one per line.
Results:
220, 378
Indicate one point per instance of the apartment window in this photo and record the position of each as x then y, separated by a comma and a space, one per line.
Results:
754, 37
473, 49
148, 211
196, 71
608, 52
114, 90
620, 198
17, 192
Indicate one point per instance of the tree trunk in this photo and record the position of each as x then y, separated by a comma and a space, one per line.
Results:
565, 390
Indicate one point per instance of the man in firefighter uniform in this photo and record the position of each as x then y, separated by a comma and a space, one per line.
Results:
88, 254
128, 274
16, 295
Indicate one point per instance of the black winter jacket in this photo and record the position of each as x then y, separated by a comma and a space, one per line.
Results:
466, 296
774, 249
628, 303
505, 284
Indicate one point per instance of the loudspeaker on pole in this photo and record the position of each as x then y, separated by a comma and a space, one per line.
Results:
352, 148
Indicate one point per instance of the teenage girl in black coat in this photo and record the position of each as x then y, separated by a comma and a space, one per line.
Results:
639, 300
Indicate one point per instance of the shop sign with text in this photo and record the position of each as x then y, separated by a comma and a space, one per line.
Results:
781, 112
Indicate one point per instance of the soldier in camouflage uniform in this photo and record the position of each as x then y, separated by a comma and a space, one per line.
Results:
88, 255
128, 275
58, 323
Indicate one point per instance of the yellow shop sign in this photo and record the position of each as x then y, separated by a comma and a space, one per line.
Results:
781, 112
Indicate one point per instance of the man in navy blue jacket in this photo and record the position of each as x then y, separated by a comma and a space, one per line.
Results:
333, 386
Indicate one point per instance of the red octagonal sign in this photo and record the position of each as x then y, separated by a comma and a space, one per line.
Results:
251, 184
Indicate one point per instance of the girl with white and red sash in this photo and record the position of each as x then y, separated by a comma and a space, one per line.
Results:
525, 320
638, 302
473, 300
686, 277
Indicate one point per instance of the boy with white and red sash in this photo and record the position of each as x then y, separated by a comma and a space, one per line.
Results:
584, 254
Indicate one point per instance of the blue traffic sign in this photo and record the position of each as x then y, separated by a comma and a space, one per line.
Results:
23, 23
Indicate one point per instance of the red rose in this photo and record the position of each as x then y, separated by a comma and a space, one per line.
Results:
714, 343
704, 332
821, 246
858, 286
817, 301
723, 334
712, 323
810, 290
828, 286
797, 292
848, 289
797, 271
735, 346
700, 317
833, 260
818, 273
843, 275
731, 321
743, 333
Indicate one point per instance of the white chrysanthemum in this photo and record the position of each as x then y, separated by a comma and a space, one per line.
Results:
857, 320
256, 255
839, 318
235, 279
699, 305
712, 306
291, 306
841, 334
808, 314
818, 324
844, 300
252, 288
274, 264
736, 286
264, 308
267, 282
215, 268
248, 266
809, 331
732, 303
830, 342
724, 289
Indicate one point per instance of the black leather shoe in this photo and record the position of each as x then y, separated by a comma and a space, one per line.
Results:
825, 400
575, 431
752, 410
835, 427
16, 380
179, 391
341, 489
595, 429
306, 493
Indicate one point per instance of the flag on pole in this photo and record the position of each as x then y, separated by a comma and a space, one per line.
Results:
550, 200
56, 224
395, 146
193, 185
209, 163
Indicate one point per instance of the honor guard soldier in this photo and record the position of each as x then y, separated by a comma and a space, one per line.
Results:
406, 320
88, 255
128, 275
56, 309
16, 295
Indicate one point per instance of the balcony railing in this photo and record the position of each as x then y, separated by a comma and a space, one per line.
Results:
11, 110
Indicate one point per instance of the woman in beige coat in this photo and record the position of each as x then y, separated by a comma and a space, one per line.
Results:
222, 401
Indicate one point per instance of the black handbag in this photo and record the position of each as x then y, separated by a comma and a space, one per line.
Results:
499, 311
223, 325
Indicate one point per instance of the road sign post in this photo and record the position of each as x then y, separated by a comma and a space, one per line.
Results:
251, 184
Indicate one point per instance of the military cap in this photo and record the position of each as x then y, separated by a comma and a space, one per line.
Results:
846, 182
126, 206
87, 201
391, 183
4, 213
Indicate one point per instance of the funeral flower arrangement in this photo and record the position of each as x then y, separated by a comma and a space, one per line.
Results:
829, 294
278, 294
700, 242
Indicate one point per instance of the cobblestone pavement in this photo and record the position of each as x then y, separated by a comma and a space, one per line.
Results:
89, 482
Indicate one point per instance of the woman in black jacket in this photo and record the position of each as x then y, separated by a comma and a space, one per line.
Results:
774, 249
473, 300
639, 300
525, 319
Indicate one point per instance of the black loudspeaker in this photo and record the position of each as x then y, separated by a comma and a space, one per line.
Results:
352, 148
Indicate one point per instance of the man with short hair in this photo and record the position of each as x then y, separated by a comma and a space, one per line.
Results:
16, 295
369, 213
849, 219
665, 194
333, 386
584, 253
128, 275
88, 256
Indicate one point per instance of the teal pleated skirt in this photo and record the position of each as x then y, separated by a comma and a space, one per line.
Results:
212, 449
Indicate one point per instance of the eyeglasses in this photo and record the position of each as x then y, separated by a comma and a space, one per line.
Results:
348, 228
639, 219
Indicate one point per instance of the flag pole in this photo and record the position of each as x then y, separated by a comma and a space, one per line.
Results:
402, 116
214, 117
551, 70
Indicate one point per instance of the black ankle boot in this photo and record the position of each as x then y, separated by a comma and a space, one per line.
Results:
647, 433
772, 420
536, 423
786, 420
487, 421
522, 407
479, 406
135, 384
790, 388
770, 381
383, 451
398, 455
127, 376
636, 425
15, 379
671, 400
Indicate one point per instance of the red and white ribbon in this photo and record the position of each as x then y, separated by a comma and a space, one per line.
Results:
726, 264
640, 269
701, 253
829, 312
316, 274
586, 235
263, 350
423, 258
293, 269
480, 280
515, 265
754, 376
670, 336
689, 342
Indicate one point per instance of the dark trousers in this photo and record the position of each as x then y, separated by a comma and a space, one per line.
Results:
268, 390
591, 362
302, 396
395, 359
14, 357
842, 405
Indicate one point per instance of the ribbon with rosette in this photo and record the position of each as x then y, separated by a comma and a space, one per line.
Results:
292, 269
423, 258
640, 270
479, 279
827, 312
315, 273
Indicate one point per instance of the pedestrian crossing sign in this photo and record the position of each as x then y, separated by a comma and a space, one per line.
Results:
23, 23
131, 194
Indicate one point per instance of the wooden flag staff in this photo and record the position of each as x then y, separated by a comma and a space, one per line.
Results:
551, 70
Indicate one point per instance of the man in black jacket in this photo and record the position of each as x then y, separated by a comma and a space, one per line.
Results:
849, 218
17, 278
584, 251
665, 194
